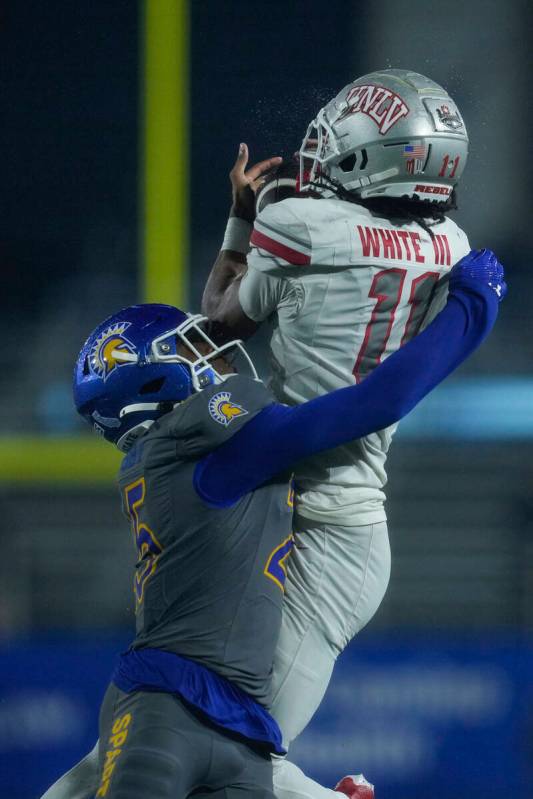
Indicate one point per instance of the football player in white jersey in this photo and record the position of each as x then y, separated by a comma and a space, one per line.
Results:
346, 271
346, 275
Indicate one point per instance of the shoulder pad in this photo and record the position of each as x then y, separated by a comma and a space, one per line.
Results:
457, 234
208, 419
301, 231
281, 232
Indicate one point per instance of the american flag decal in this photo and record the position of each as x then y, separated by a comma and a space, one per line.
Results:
415, 150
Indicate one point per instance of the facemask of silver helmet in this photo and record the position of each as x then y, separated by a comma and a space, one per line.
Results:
392, 133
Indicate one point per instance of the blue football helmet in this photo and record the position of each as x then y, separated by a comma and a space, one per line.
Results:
129, 371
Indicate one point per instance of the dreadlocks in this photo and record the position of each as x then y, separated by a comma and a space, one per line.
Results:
402, 209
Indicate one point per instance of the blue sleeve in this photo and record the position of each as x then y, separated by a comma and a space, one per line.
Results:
280, 436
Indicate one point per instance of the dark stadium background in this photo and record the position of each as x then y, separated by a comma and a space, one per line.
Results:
434, 698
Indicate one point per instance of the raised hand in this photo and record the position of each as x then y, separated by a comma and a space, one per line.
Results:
244, 183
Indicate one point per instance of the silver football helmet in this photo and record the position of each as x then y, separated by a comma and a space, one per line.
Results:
392, 133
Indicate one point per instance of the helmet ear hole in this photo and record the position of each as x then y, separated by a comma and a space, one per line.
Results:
153, 386
86, 369
348, 163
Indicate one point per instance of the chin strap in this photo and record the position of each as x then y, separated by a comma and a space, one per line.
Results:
126, 441
139, 406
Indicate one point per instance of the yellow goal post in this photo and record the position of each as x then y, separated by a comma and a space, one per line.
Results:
164, 230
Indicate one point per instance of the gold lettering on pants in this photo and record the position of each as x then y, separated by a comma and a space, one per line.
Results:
119, 735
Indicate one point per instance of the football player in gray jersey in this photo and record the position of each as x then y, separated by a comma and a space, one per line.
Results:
206, 484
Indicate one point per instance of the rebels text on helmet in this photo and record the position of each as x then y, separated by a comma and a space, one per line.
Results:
383, 106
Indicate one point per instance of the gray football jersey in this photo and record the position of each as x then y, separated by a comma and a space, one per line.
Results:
346, 289
209, 580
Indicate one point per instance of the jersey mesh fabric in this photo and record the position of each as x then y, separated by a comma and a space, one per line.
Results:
361, 292
208, 587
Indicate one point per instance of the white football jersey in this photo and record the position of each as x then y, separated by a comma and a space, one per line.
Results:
345, 288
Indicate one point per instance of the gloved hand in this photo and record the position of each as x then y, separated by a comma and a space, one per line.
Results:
479, 266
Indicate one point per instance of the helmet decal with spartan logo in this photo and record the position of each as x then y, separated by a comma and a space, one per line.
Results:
112, 350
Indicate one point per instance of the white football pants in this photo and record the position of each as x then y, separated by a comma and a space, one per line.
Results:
336, 580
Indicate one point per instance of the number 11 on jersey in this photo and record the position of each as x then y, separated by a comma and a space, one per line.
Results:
386, 289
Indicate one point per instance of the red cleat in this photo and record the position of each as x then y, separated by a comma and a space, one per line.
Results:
355, 787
